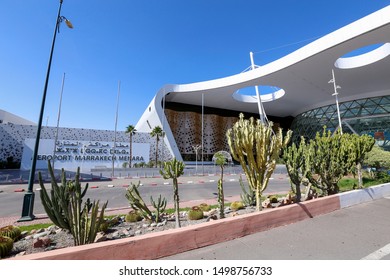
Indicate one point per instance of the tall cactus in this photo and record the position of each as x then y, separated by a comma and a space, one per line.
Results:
297, 161
220, 160
83, 224
330, 160
56, 205
173, 169
362, 144
257, 148
64, 208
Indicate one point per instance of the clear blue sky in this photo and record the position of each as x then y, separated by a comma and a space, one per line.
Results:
145, 44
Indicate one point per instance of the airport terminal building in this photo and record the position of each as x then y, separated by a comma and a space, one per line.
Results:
88, 149
300, 93
341, 77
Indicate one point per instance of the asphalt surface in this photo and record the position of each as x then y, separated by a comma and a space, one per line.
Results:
358, 232
191, 188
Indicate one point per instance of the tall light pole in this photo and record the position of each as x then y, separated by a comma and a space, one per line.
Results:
196, 149
28, 201
337, 100
58, 121
116, 124
259, 104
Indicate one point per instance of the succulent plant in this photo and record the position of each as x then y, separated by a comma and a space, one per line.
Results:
195, 213
133, 216
273, 199
6, 245
257, 147
137, 202
104, 226
173, 169
10, 231
237, 205
205, 207
159, 207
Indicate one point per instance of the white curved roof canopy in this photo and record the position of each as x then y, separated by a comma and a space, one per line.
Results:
303, 75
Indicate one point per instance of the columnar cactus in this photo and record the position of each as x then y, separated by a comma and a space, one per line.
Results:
173, 169
330, 160
64, 208
221, 161
159, 207
362, 144
297, 161
56, 205
257, 147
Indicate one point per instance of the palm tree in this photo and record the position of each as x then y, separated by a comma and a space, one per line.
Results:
157, 132
131, 131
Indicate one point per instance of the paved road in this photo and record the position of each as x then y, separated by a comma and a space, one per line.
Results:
354, 233
191, 188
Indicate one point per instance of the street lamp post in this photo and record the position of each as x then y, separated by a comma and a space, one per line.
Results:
196, 149
28, 201
259, 103
333, 80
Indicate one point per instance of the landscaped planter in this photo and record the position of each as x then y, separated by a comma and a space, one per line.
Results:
170, 242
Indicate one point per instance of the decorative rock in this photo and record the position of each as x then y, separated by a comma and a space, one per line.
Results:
28, 237
100, 236
41, 234
52, 228
145, 225
41, 242
138, 232
124, 232
153, 225
210, 213
161, 224
23, 253
46, 241
212, 217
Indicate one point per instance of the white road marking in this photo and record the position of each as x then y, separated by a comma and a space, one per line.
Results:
378, 254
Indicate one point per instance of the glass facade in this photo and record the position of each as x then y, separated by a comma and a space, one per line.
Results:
363, 116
